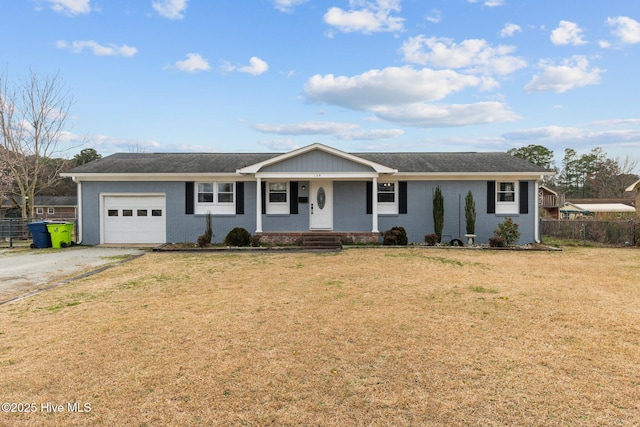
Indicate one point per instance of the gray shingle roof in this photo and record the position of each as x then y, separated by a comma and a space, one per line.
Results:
52, 201
136, 163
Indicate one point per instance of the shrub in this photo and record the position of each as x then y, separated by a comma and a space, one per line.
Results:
470, 213
238, 237
508, 230
497, 242
395, 236
205, 239
431, 239
438, 212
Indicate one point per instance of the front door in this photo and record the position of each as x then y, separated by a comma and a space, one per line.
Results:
321, 205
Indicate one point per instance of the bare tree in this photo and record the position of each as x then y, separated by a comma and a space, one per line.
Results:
33, 117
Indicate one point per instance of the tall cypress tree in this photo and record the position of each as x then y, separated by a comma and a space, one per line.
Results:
438, 213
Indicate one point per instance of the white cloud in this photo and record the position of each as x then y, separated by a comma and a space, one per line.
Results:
404, 95
307, 128
70, 7
604, 44
443, 115
435, 16
489, 3
570, 74
280, 145
343, 131
97, 49
287, 5
390, 86
474, 55
371, 135
256, 67
576, 137
194, 62
510, 29
626, 29
170, 9
567, 33
373, 16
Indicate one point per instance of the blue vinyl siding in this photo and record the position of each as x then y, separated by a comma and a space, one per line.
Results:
349, 206
317, 161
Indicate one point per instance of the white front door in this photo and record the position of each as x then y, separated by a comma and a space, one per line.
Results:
321, 205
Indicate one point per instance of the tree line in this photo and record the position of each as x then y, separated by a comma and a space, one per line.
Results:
593, 175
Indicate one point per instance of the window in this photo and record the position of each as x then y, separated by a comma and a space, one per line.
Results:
387, 198
215, 197
127, 212
387, 192
142, 212
156, 212
205, 192
277, 197
277, 192
51, 211
225, 192
113, 212
507, 197
39, 211
507, 192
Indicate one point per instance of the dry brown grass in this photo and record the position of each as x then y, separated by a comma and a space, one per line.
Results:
364, 337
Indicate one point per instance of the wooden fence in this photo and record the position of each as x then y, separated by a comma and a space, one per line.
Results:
609, 232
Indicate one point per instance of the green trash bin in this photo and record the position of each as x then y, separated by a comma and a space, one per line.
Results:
60, 234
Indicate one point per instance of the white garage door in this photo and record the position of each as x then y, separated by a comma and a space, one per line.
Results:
134, 219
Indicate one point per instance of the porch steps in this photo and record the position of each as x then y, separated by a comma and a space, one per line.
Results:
321, 241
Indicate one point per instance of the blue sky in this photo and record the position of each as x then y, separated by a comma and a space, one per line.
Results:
359, 75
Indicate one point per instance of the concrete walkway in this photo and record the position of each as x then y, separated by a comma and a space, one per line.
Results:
22, 271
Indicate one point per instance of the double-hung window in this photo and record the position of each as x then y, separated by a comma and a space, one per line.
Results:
507, 197
278, 197
387, 198
216, 197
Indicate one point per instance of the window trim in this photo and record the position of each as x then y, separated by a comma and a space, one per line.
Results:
388, 208
278, 208
507, 207
215, 207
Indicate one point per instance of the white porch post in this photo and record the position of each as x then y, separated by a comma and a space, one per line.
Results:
258, 205
536, 213
374, 206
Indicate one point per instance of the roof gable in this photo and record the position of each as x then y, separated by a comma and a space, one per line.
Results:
318, 154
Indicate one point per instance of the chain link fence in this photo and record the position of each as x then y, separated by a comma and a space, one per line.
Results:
14, 232
609, 232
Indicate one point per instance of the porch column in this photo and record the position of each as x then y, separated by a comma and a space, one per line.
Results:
374, 206
258, 205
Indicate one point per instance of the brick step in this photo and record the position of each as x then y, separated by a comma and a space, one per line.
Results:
321, 241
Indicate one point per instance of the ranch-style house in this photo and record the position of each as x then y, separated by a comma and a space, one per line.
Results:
153, 198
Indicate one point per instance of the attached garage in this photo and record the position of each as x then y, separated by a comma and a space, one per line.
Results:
131, 218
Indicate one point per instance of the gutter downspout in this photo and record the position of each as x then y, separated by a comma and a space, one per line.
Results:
79, 210
536, 209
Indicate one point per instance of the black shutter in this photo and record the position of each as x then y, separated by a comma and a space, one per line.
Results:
263, 190
293, 193
189, 197
491, 197
239, 198
402, 203
524, 197
369, 197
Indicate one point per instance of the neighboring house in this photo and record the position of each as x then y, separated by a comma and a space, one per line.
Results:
55, 207
634, 189
158, 198
9, 208
604, 211
549, 203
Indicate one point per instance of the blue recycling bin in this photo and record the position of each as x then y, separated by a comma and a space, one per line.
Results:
40, 234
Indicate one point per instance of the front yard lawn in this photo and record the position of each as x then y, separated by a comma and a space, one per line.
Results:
385, 336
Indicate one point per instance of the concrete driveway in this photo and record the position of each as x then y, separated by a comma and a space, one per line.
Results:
22, 272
